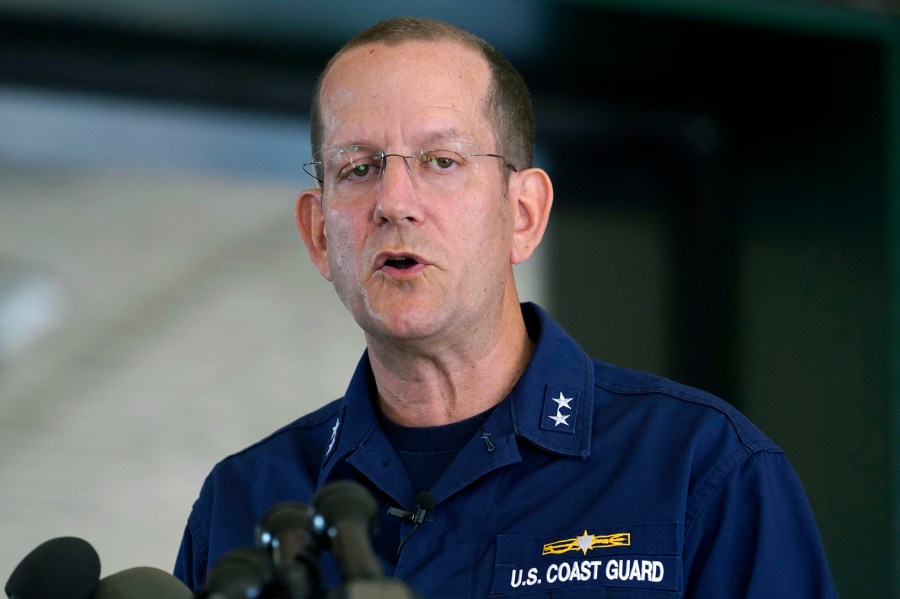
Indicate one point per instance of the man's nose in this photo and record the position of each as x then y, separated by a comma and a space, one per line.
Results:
397, 199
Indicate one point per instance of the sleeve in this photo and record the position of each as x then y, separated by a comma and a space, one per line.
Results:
189, 568
755, 536
190, 565
192, 562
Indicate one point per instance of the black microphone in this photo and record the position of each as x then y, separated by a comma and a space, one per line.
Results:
286, 533
242, 573
425, 502
349, 514
346, 511
142, 582
61, 567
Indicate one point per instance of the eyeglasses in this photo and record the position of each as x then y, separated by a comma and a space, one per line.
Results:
353, 171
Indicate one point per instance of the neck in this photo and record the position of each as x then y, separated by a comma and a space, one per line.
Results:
435, 384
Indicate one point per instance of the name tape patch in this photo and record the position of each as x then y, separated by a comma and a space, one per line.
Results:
623, 558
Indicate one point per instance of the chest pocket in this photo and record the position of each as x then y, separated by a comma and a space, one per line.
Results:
628, 561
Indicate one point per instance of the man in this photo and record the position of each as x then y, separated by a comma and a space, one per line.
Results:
545, 472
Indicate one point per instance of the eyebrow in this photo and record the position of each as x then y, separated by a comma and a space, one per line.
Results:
430, 141
448, 134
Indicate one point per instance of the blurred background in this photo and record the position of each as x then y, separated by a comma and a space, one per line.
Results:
727, 214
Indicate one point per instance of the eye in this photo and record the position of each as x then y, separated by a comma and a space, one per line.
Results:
359, 169
442, 161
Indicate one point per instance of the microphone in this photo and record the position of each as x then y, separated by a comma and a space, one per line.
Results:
286, 533
349, 514
243, 573
346, 511
143, 582
61, 567
425, 502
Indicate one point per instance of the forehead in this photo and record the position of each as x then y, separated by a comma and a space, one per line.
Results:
405, 94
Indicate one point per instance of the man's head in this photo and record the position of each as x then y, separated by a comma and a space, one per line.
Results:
420, 215
508, 105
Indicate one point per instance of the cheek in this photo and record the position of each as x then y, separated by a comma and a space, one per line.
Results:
344, 259
341, 242
496, 225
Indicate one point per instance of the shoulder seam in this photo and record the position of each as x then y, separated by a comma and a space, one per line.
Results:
312, 420
714, 480
697, 397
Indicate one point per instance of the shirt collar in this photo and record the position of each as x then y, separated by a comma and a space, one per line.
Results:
355, 420
552, 403
550, 406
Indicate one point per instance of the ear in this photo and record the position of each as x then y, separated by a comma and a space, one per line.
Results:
531, 193
311, 224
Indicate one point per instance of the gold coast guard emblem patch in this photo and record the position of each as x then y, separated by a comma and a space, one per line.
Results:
585, 542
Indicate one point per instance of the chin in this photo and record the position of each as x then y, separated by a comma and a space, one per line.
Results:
400, 322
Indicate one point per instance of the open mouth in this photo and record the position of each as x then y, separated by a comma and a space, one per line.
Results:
400, 262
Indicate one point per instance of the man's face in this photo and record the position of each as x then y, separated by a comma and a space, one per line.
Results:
412, 260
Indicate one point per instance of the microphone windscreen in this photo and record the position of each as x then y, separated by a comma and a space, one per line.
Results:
61, 567
425, 500
242, 572
142, 582
350, 514
342, 500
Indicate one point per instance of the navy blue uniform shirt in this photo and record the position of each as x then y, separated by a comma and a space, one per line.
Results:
589, 480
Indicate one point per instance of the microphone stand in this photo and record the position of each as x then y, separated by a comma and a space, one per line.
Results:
283, 562
348, 516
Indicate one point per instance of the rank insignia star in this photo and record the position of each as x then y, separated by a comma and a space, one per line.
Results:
558, 418
560, 409
563, 401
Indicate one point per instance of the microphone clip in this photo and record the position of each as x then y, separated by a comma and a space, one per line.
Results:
424, 504
416, 517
